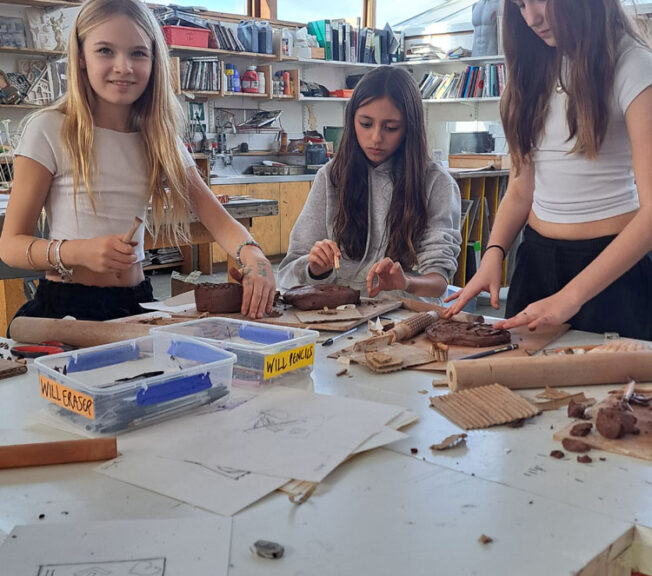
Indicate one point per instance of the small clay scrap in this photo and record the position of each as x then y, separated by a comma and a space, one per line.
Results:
484, 539
581, 429
584, 459
326, 311
341, 372
449, 442
267, 549
615, 422
379, 361
557, 454
573, 445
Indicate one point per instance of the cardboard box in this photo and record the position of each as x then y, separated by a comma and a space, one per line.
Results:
476, 161
309, 52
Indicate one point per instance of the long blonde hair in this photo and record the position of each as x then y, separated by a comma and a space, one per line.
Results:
587, 33
156, 115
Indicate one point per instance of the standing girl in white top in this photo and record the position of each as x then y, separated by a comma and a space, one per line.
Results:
95, 159
577, 113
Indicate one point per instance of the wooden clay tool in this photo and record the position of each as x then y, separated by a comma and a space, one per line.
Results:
63, 452
541, 371
78, 333
130, 233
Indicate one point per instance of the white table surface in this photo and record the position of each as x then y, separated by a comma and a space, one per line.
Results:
387, 511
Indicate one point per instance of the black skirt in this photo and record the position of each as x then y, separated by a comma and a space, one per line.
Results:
59, 299
545, 265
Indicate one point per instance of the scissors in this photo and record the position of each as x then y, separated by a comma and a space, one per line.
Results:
38, 350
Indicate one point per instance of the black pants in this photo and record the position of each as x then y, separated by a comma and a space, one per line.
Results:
544, 266
59, 299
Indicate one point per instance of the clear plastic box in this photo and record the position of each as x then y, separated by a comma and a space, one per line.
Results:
116, 387
266, 353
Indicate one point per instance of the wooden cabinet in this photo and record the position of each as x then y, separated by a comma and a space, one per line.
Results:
272, 232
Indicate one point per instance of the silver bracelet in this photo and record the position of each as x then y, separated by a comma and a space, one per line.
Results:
65, 273
242, 245
47, 253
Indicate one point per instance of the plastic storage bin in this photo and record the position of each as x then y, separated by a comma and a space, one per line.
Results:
186, 36
116, 387
266, 353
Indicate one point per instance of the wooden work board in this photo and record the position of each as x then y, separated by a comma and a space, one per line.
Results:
368, 310
638, 446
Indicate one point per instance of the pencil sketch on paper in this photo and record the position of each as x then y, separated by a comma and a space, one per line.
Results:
278, 421
226, 471
141, 567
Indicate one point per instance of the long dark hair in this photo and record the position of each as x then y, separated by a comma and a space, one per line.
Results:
587, 33
407, 216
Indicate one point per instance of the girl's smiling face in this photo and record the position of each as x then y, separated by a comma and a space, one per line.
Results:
534, 14
379, 128
117, 57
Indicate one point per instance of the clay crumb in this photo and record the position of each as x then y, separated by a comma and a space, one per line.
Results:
602, 458
341, 372
584, 459
414, 450
581, 429
573, 445
484, 539
41, 516
449, 442
557, 454
423, 391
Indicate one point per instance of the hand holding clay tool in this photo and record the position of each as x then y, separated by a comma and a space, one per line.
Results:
130, 234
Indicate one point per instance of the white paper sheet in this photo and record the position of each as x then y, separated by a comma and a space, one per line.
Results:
284, 432
180, 303
159, 547
224, 491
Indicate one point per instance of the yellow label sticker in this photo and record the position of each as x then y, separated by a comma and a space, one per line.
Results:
283, 362
67, 397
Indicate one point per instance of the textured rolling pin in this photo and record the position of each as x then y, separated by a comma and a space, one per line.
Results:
413, 325
559, 370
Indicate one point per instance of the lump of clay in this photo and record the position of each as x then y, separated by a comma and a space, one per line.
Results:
319, 296
223, 298
614, 422
466, 333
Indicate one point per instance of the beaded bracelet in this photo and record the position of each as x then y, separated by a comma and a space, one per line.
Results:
499, 248
242, 245
65, 273
28, 253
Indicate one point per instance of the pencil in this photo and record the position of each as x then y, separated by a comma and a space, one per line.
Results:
130, 234
491, 352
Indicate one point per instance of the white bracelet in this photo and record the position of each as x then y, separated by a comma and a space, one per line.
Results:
65, 273
242, 245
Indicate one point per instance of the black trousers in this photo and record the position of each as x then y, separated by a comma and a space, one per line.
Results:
544, 266
59, 299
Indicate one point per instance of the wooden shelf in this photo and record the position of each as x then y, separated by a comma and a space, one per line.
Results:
195, 50
31, 52
337, 63
41, 3
24, 106
460, 100
450, 61
247, 94
323, 99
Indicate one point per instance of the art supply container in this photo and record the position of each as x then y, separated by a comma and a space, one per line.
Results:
116, 387
265, 353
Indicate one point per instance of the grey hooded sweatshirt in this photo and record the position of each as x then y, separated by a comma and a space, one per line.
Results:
437, 250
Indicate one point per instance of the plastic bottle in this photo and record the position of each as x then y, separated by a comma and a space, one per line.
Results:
249, 81
228, 73
236, 80
261, 83
287, 88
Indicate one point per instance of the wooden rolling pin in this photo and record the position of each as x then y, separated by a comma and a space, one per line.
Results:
78, 333
421, 306
46, 453
413, 325
541, 371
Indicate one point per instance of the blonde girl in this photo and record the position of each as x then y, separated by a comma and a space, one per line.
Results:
95, 159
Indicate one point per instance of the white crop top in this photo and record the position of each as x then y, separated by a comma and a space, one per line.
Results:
120, 185
570, 188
